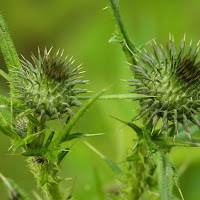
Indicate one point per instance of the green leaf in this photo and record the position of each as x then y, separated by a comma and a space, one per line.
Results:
178, 142
33, 119
132, 157
80, 135
27, 140
7, 47
62, 155
9, 53
176, 180
137, 129
75, 136
37, 153
65, 132
7, 131
49, 139
14, 191
111, 164
116, 38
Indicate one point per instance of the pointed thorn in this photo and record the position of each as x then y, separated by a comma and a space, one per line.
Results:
82, 72
66, 57
73, 61
50, 50
190, 43
57, 52
170, 36
95, 134
62, 53
105, 8
184, 37
38, 50
79, 67
22, 56
70, 59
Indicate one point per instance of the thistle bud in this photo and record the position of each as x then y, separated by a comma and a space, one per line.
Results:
171, 78
47, 85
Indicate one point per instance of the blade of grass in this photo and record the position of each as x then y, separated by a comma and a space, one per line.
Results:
111, 164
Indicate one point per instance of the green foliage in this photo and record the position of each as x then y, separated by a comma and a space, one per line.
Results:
165, 85
65, 132
8, 50
110, 163
7, 46
46, 91
121, 35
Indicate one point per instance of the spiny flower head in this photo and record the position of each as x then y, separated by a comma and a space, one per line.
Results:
173, 77
47, 85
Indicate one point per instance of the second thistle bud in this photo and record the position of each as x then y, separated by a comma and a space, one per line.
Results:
171, 78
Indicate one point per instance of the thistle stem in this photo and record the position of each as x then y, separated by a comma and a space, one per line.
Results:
114, 97
8, 48
45, 175
53, 191
128, 46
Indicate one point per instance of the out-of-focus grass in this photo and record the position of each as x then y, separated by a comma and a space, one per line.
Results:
83, 28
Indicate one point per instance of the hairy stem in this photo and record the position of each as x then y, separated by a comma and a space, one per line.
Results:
8, 48
46, 177
53, 191
127, 45
114, 97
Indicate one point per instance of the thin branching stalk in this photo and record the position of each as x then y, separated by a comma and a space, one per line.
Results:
121, 36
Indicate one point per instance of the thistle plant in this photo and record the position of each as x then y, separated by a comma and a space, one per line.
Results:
169, 78
164, 81
41, 90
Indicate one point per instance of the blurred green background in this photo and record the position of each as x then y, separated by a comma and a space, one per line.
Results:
83, 29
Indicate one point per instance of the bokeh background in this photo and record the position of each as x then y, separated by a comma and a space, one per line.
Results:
83, 29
